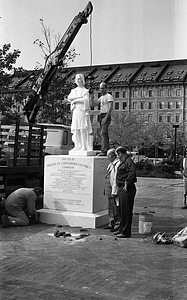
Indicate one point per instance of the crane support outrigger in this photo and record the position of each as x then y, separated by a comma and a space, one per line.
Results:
55, 59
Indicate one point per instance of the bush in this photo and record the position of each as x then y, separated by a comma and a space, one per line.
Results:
145, 169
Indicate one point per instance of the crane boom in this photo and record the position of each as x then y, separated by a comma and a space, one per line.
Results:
40, 88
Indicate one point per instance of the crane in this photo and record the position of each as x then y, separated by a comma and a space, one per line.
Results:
55, 59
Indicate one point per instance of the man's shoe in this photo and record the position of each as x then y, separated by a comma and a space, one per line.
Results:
123, 236
117, 232
5, 222
116, 228
109, 227
102, 154
184, 207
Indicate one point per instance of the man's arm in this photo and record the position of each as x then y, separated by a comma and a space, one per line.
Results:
94, 102
31, 202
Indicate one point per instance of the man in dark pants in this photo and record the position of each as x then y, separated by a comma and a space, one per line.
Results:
20, 207
106, 104
125, 179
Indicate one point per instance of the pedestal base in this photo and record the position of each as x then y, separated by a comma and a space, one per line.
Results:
73, 219
73, 191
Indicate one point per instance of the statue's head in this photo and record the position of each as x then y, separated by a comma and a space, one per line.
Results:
79, 79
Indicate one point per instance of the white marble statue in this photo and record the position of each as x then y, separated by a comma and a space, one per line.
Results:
81, 126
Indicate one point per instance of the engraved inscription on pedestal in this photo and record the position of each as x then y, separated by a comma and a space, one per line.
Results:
68, 183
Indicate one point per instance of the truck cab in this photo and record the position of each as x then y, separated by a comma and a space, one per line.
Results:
58, 140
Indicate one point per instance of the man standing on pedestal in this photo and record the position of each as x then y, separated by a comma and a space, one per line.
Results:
106, 102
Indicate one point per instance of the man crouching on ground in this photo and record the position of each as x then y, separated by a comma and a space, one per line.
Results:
20, 206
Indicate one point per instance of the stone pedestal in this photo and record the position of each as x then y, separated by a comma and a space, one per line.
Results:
73, 191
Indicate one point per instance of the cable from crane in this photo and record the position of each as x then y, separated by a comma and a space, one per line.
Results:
91, 50
91, 136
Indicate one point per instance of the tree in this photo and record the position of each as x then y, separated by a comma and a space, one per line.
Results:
54, 109
127, 130
7, 61
156, 134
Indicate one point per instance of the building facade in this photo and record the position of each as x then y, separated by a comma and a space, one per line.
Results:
153, 91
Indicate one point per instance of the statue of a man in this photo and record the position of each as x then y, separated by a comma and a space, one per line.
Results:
81, 125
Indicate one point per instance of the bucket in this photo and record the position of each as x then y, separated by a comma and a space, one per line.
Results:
145, 222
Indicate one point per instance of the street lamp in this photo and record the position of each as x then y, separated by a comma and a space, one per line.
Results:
175, 147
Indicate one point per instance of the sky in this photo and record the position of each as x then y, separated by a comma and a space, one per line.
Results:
122, 30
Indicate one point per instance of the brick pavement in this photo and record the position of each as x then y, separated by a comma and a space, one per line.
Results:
35, 265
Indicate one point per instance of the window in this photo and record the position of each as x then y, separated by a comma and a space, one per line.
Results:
178, 104
134, 93
149, 78
116, 105
167, 77
169, 92
170, 104
177, 118
142, 105
134, 105
176, 77
142, 93
169, 118
142, 117
150, 105
124, 105
178, 92
118, 75
151, 93
150, 118
161, 105
161, 118
116, 94
125, 94
65, 137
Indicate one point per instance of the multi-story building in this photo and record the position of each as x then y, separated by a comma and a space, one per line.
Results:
154, 91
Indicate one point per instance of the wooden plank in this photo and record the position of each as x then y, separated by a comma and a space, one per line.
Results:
16, 144
21, 170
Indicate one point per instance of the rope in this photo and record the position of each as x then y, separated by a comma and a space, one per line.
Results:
91, 51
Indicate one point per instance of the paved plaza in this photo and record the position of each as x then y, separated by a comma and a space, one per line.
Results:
35, 265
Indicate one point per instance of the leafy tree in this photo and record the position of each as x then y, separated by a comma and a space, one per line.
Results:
55, 109
127, 130
7, 61
8, 111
